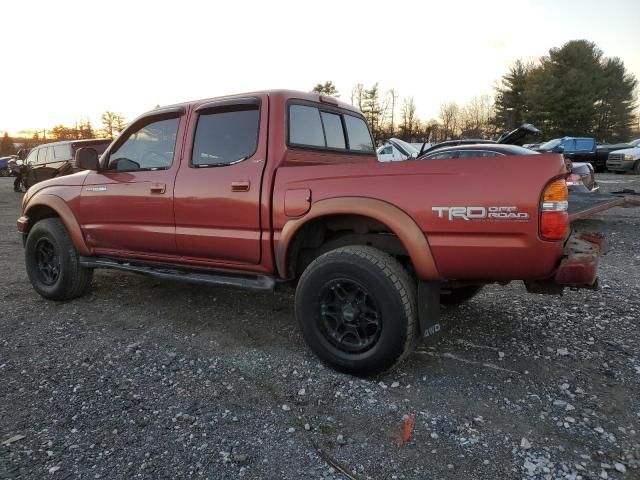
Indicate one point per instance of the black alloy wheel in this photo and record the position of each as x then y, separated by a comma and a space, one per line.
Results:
350, 318
47, 260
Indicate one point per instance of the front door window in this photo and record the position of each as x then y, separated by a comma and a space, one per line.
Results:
149, 148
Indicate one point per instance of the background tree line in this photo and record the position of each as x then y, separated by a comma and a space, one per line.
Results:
575, 90
112, 124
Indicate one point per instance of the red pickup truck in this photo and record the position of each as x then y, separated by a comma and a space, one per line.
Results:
264, 188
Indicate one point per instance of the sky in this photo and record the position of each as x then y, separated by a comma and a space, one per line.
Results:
66, 60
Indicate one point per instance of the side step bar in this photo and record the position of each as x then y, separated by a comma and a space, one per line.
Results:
247, 282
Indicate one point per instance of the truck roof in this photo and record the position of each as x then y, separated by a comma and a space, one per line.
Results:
282, 95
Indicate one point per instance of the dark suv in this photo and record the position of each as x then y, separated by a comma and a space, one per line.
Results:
56, 159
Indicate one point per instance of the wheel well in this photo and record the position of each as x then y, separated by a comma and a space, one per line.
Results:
329, 232
40, 212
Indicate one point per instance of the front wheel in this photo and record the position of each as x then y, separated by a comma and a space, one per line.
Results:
52, 262
636, 168
356, 307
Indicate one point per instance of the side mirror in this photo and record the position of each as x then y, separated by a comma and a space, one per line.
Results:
558, 149
87, 159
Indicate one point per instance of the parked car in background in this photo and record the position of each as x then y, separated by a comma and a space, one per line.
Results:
396, 150
581, 177
56, 159
5, 166
625, 160
513, 137
455, 143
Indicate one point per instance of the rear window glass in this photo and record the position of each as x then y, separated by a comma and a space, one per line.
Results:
333, 130
435, 156
62, 152
312, 127
358, 133
305, 126
225, 137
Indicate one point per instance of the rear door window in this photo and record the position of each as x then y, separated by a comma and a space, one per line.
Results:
584, 144
225, 137
358, 133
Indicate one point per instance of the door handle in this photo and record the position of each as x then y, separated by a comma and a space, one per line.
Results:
240, 186
158, 188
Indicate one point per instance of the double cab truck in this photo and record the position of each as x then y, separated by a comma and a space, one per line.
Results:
281, 187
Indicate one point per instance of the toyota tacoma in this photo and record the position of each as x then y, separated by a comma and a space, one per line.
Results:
267, 188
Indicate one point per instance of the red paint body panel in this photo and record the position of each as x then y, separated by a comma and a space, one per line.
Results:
497, 250
239, 217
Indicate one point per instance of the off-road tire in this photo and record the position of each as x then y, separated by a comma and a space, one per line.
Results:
459, 295
387, 284
72, 280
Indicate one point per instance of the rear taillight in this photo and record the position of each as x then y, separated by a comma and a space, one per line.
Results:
554, 219
574, 180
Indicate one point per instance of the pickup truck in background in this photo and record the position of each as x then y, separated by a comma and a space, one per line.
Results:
283, 187
626, 159
582, 149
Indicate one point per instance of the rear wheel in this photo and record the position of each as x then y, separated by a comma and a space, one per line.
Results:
458, 295
5, 172
52, 262
357, 311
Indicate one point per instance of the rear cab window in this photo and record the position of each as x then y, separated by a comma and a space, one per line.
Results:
318, 127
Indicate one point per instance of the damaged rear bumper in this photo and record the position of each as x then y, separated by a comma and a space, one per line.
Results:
578, 267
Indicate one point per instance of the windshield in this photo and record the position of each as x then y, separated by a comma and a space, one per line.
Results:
635, 143
550, 144
407, 147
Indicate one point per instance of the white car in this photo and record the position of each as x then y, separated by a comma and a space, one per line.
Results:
625, 160
396, 150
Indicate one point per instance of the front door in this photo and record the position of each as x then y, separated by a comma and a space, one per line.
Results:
127, 207
218, 187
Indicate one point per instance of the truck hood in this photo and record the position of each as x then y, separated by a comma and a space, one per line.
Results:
74, 180
635, 151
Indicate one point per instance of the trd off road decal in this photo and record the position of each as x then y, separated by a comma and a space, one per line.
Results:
481, 213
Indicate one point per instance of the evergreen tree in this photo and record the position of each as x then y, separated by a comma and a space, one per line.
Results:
326, 88
510, 106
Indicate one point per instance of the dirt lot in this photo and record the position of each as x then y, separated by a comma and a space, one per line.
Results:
150, 379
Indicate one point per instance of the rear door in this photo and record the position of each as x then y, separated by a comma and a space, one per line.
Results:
127, 207
218, 187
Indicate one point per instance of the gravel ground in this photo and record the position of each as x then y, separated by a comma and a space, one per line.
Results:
151, 379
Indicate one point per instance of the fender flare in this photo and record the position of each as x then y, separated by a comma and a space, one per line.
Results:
398, 221
58, 205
